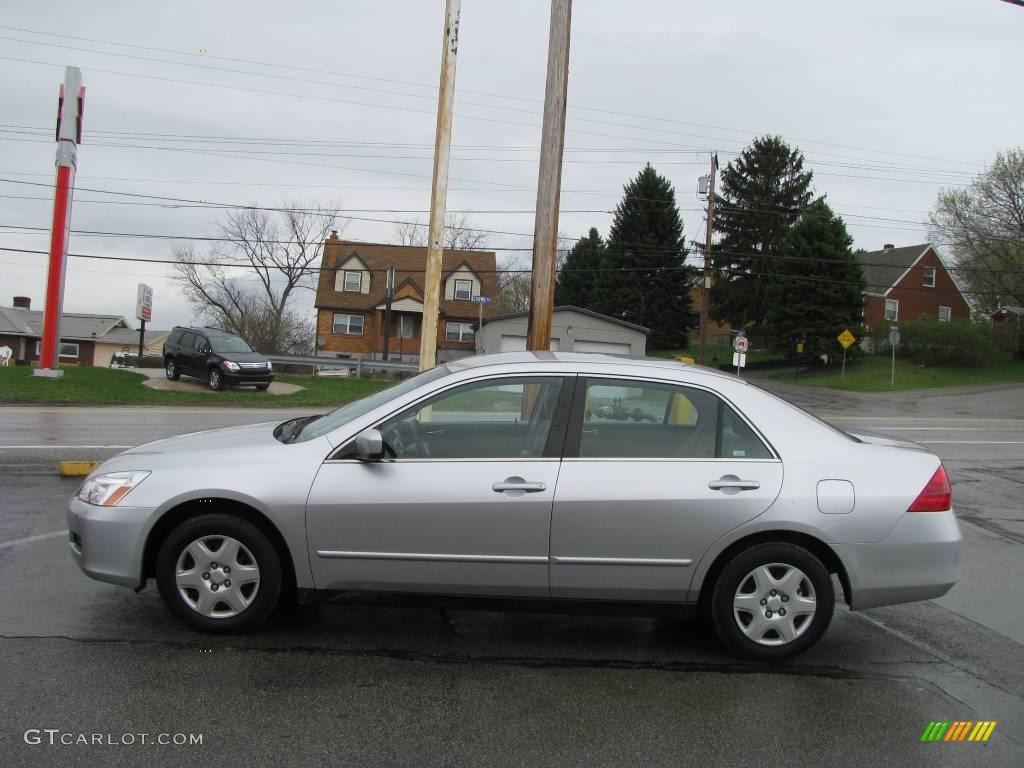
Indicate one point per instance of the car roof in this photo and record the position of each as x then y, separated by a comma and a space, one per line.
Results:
578, 359
205, 331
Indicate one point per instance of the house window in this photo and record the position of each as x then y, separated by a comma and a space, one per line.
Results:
892, 309
463, 290
351, 325
67, 349
945, 314
353, 281
459, 332
405, 326
929, 277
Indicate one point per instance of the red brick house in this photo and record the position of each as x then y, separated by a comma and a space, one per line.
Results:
351, 295
908, 283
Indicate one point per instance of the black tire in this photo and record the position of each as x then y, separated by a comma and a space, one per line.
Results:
171, 369
215, 379
736, 574
262, 387
264, 599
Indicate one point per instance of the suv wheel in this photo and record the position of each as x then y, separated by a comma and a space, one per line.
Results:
772, 601
219, 573
215, 380
172, 369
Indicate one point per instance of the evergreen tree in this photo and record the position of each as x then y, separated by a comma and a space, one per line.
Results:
577, 277
819, 291
763, 193
646, 243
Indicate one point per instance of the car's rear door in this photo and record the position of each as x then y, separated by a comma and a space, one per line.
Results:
464, 505
653, 474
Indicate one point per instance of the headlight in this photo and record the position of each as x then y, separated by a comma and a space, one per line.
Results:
233, 367
106, 490
270, 366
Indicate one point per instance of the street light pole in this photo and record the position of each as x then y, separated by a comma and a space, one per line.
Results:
706, 289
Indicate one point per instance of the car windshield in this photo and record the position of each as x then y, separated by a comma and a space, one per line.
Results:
230, 344
357, 408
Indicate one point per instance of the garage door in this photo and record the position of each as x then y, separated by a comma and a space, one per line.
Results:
604, 347
518, 344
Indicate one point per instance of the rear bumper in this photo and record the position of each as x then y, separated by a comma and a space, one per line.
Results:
107, 542
918, 560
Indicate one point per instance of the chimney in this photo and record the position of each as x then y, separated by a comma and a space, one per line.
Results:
888, 247
334, 234
22, 302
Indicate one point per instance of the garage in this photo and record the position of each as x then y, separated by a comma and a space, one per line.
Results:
573, 329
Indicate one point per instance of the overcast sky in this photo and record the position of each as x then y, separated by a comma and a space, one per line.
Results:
889, 101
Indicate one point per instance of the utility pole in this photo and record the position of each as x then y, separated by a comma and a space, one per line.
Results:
439, 188
389, 292
70, 106
549, 180
706, 289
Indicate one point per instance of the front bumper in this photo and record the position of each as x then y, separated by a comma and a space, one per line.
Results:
243, 377
107, 542
919, 559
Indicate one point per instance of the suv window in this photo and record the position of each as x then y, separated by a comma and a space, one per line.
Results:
634, 419
230, 344
174, 338
499, 418
187, 340
201, 344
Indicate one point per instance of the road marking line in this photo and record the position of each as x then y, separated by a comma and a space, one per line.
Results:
30, 539
44, 447
972, 442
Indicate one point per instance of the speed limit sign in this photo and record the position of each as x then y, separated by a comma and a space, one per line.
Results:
742, 344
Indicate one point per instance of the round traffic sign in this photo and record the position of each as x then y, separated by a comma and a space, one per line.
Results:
742, 344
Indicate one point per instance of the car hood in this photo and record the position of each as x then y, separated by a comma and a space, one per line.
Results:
221, 439
243, 357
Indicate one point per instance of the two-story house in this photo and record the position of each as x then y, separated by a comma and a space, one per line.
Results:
351, 300
908, 283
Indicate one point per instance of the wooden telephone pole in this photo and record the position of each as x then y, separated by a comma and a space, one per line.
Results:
705, 297
549, 180
439, 188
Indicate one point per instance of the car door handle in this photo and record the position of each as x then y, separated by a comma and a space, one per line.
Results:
518, 484
729, 481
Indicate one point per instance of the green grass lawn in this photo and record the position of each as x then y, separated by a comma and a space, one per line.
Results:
724, 354
872, 374
105, 386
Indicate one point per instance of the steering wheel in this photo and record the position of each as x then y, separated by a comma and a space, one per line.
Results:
403, 440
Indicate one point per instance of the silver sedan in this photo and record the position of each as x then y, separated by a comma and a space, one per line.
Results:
536, 479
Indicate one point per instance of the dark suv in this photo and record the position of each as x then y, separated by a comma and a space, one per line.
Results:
217, 356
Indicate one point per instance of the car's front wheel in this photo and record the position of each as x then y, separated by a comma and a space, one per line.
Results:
219, 573
215, 380
171, 368
772, 601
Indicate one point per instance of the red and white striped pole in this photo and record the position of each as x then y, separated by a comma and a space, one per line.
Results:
70, 107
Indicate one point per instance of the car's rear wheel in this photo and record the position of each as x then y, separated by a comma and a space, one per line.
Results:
219, 573
171, 368
215, 380
772, 601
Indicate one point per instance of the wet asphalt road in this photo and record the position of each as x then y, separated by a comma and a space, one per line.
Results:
360, 683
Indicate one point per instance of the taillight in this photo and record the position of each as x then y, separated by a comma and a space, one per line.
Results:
937, 496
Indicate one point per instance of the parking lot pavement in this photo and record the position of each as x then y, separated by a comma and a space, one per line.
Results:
365, 683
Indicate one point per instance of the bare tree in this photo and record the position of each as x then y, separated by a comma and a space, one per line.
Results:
459, 233
277, 251
513, 280
982, 226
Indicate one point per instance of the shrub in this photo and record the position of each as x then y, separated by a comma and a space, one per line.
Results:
962, 343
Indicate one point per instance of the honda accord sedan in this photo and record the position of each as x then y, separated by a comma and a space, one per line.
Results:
541, 479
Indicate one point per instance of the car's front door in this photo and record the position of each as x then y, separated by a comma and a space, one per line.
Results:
653, 474
462, 507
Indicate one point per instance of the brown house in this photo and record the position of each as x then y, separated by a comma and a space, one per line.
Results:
352, 294
908, 283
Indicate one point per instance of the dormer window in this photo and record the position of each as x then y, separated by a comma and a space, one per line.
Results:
353, 281
463, 290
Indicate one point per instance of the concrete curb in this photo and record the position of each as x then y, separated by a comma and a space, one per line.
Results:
76, 468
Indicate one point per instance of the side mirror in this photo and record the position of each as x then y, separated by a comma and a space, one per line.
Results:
369, 445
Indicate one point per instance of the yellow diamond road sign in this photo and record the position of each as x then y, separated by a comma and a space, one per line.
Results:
846, 338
